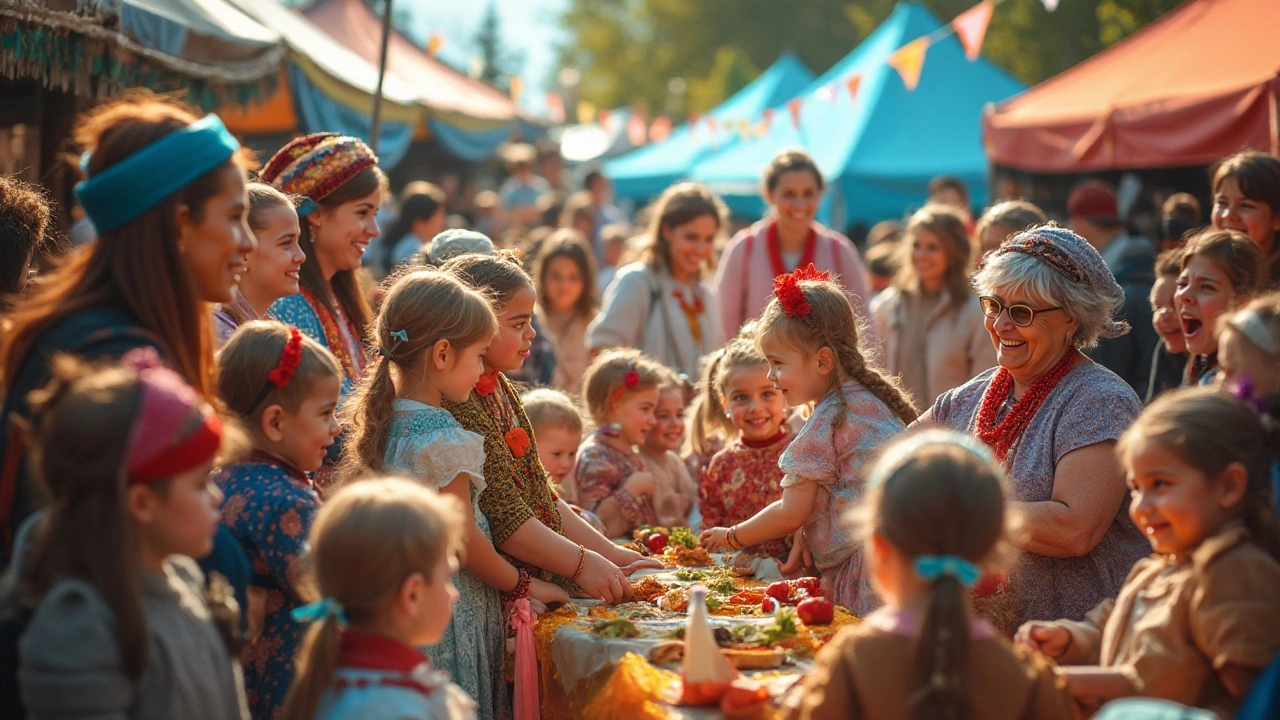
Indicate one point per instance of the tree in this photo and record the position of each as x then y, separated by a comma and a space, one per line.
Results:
499, 62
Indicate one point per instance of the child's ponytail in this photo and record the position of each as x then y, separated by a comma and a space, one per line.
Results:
317, 663
942, 654
706, 412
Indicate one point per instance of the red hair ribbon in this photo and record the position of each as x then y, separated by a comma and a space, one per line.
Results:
282, 373
630, 381
789, 293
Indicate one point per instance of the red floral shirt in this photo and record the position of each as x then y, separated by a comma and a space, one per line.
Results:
739, 482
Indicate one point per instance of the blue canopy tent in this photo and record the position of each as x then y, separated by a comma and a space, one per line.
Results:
879, 149
645, 172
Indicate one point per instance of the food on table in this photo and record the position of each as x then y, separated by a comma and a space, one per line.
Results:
812, 585
637, 547
657, 542
769, 604
816, 611
747, 597
780, 591
643, 532
620, 628
684, 536
647, 589
670, 651
688, 557
754, 658
743, 699
676, 600
707, 673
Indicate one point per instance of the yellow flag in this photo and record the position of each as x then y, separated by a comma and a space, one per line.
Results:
517, 87
908, 60
434, 44
586, 112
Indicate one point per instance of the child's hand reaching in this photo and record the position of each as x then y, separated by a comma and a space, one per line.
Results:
640, 484
715, 539
1052, 640
603, 580
547, 593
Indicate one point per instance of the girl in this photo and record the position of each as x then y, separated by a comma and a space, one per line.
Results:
930, 322
744, 476
612, 481
358, 659
1246, 198
673, 491
530, 523
397, 424
789, 238
420, 218
119, 625
271, 269
340, 175
1220, 271
565, 278
1196, 621
1169, 357
933, 517
558, 427
1249, 353
284, 388
809, 337
661, 304
148, 280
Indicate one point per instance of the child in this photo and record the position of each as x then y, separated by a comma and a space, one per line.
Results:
382, 553
271, 271
558, 427
284, 388
621, 393
530, 523
1220, 271
932, 518
809, 337
1169, 357
565, 278
673, 491
397, 424
1249, 353
119, 623
1197, 620
744, 477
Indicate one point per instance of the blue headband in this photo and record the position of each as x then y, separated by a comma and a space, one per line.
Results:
144, 179
932, 567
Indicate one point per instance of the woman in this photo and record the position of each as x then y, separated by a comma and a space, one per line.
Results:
1004, 219
171, 239
660, 304
1246, 198
340, 175
1052, 416
271, 271
1220, 272
788, 238
565, 277
930, 321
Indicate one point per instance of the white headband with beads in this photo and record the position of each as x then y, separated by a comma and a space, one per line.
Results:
1250, 324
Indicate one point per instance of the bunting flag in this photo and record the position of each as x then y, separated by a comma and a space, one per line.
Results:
586, 112
712, 125
603, 118
793, 106
693, 124
637, 129
852, 84
744, 129
517, 87
555, 108
908, 60
766, 120
660, 128
971, 28
434, 43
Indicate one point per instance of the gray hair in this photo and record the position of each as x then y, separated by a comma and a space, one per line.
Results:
1027, 276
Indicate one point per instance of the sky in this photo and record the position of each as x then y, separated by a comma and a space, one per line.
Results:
529, 26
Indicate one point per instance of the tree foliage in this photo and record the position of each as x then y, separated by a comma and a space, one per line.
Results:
628, 51
499, 62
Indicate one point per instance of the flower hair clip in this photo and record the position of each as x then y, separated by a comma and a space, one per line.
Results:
630, 381
789, 293
400, 336
282, 373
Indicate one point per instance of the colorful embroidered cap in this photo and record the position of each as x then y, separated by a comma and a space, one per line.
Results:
315, 165
161, 442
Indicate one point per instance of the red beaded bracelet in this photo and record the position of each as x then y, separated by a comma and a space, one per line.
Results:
522, 588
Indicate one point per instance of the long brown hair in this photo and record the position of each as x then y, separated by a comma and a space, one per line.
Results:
497, 276
830, 323
136, 267
412, 319
948, 225
343, 289
250, 356
81, 425
572, 244
679, 204
1258, 175
366, 541
1238, 256
935, 494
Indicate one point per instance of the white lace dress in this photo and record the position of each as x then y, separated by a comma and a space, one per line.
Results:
428, 445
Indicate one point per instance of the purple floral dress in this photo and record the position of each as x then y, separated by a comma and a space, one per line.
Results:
838, 460
600, 472
269, 507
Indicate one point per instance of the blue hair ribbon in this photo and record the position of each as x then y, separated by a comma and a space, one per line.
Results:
306, 207
400, 335
320, 610
144, 179
932, 567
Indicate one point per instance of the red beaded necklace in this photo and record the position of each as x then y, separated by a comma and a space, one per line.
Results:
691, 312
1001, 437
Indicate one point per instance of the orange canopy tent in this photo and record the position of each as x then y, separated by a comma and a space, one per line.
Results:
1192, 87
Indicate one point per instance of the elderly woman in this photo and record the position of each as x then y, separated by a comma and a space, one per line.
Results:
1052, 416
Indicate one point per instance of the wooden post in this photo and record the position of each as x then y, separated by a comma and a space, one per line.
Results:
376, 125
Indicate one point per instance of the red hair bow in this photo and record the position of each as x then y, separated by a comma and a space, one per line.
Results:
789, 293
290, 357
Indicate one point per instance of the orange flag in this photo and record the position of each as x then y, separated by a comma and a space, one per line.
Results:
971, 28
434, 44
852, 83
766, 119
660, 129
908, 60
517, 87
793, 105
555, 108
637, 129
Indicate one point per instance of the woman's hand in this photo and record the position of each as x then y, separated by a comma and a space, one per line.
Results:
800, 558
630, 560
547, 593
715, 539
1052, 640
603, 580
640, 484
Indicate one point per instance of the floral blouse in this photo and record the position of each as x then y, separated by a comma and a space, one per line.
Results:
740, 481
600, 472
269, 507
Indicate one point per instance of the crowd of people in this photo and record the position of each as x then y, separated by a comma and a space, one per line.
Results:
263, 459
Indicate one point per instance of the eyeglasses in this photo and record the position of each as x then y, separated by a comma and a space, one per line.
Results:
1019, 314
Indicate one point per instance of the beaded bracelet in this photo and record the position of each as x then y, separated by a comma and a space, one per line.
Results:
521, 590
731, 537
582, 563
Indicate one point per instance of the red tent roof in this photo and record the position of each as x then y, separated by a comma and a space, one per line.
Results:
441, 88
1192, 87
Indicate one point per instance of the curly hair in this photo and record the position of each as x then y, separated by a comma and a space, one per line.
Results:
24, 220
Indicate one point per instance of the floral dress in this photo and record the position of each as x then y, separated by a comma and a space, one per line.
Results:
600, 472
309, 314
742, 480
838, 460
269, 505
426, 443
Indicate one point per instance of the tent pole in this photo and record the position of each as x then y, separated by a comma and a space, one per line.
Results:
376, 125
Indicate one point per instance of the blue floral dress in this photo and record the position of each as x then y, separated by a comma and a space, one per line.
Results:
428, 445
269, 507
